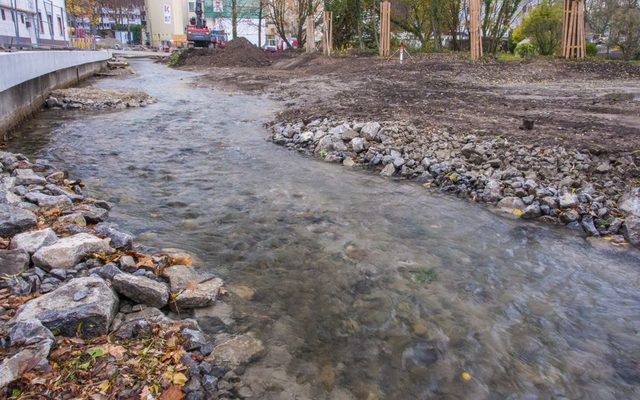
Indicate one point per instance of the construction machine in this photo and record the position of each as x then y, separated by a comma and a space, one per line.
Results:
198, 35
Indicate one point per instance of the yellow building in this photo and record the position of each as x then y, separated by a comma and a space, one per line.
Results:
166, 22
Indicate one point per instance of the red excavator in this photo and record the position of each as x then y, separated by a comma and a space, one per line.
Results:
198, 35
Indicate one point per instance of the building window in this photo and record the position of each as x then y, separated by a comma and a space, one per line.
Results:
50, 22
192, 6
22, 18
4, 17
60, 26
41, 22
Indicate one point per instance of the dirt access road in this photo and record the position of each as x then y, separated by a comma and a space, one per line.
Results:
592, 106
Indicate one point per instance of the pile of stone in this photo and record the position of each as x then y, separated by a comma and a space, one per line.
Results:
86, 280
587, 192
91, 98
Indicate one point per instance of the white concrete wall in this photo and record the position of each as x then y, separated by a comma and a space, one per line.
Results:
22, 66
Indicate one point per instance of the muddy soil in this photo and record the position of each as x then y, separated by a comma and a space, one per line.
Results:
238, 52
591, 106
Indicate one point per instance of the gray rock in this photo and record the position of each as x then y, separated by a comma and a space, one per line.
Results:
603, 167
43, 200
18, 286
210, 384
588, 226
69, 251
237, 351
109, 271
349, 135
142, 289
31, 242
339, 130
194, 339
631, 230
127, 263
58, 311
492, 191
195, 288
531, 211
348, 162
91, 213
58, 273
359, 145
119, 239
31, 357
76, 219
370, 130
28, 332
306, 137
388, 170
14, 220
13, 262
568, 200
28, 177
9, 160
57, 190
510, 204
569, 216
630, 202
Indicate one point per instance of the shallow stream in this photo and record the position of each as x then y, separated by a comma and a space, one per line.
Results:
364, 288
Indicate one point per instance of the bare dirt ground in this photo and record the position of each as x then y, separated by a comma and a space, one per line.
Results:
587, 105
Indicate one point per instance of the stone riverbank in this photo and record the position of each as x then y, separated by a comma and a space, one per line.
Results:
80, 303
591, 193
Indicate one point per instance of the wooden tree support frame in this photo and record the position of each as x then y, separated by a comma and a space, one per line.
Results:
475, 34
573, 38
385, 28
311, 37
327, 33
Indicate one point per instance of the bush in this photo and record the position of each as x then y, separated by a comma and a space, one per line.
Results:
591, 49
525, 50
174, 58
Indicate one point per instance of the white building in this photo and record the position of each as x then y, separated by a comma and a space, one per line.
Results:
33, 23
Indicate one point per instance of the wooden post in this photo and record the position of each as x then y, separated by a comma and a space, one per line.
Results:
572, 45
327, 33
385, 28
311, 40
475, 34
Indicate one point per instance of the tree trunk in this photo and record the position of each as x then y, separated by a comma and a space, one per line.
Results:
260, 24
234, 19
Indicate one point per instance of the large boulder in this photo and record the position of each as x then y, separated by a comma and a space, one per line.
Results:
511, 204
31, 242
82, 305
14, 220
237, 351
69, 251
13, 262
142, 289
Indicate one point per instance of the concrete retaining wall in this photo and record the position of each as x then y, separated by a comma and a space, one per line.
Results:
27, 78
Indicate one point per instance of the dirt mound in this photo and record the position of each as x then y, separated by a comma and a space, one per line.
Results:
238, 52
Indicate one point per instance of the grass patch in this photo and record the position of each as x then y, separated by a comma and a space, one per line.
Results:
425, 276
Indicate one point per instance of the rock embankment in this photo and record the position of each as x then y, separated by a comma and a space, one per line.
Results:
594, 193
78, 303
91, 98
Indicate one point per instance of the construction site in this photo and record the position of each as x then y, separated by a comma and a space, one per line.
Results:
375, 220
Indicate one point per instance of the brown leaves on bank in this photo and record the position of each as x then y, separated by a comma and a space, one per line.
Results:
104, 368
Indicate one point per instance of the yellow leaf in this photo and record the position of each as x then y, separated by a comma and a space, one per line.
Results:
179, 378
466, 376
104, 386
607, 238
517, 212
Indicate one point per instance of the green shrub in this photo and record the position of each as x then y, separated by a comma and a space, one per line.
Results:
174, 58
591, 49
525, 50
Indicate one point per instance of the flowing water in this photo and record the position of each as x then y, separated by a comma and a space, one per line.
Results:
364, 288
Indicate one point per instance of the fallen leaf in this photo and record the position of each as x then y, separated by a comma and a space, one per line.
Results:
104, 386
179, 379
172, 393
517, 212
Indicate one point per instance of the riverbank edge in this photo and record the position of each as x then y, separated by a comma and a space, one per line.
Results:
590, 193
76, 295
